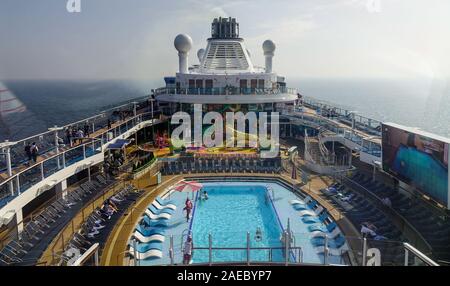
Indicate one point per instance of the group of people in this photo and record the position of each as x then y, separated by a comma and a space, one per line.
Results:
76, 135
32, 152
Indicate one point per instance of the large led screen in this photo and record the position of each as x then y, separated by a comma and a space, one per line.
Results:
418, 159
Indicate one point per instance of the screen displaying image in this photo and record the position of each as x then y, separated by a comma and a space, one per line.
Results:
417, 160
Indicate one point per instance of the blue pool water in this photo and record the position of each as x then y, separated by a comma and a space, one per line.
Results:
233, 209
229, 213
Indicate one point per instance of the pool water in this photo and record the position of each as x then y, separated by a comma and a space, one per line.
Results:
228, 214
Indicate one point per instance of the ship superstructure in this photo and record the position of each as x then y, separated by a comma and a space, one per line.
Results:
225, 74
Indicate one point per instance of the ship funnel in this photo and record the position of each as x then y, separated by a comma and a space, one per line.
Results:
183, 44
200, 55
268, 48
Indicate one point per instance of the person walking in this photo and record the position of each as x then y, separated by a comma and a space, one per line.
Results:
109, 123
188, 208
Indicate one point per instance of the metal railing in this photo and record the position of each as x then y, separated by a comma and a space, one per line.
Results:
23, 180
224, 91
323, 123
404, 225
344, 114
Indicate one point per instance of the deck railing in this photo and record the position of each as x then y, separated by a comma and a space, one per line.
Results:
23, 180
224, 91
46, 140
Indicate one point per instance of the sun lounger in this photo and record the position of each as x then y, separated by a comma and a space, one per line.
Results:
312, 219
146, 235
159, 216
323, 228
160, 204
332, 251
316, 212
156, 211
317, 233
155, 223
331, 243
147, 250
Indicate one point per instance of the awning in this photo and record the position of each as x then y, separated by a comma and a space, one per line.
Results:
119, 144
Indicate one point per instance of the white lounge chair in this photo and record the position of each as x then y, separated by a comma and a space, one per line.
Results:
146, 239
332, 235
160, 206
306, 200
316, 212
147, 250
333, 251
152, 215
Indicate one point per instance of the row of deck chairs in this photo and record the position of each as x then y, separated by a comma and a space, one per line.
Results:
222, 166
93, 227
364, 211
50, 217
434, 229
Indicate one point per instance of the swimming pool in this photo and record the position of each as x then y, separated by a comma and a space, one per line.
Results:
235, 207
227, 215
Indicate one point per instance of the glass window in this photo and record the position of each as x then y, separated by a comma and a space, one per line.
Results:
208, 83
261, 83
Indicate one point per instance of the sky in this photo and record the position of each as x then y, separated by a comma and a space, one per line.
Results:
133, 39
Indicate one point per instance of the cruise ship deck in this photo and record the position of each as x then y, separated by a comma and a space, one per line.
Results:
125, 193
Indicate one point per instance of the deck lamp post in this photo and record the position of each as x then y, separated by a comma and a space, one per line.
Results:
56, 129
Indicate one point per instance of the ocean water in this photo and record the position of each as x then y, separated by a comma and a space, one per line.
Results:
422, 103
50, 103
419, 103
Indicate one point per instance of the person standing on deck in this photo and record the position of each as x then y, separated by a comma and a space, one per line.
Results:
86, 129
188, 208
34, 151
187, 254
80, 135
69, 136
28, 151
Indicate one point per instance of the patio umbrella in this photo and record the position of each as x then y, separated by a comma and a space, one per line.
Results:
188, 186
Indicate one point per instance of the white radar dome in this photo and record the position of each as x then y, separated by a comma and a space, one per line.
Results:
183, 43
201, 54
268, 46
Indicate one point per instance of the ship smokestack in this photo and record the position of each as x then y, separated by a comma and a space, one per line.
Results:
183, 44
268, 48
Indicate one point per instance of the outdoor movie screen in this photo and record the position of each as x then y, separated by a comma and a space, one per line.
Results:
418, 159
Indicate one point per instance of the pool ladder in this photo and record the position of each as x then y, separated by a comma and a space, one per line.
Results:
184, 235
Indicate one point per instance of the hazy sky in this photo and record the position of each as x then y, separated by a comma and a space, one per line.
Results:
314, 38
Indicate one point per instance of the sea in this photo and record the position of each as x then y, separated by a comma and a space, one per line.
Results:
422, 103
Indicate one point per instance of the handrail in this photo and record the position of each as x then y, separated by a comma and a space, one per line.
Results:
93, 250
224, 91
96, 139
423, 257
48, 159
100, 115
397, 214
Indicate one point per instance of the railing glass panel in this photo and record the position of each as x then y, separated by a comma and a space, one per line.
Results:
30, 177
53, 165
